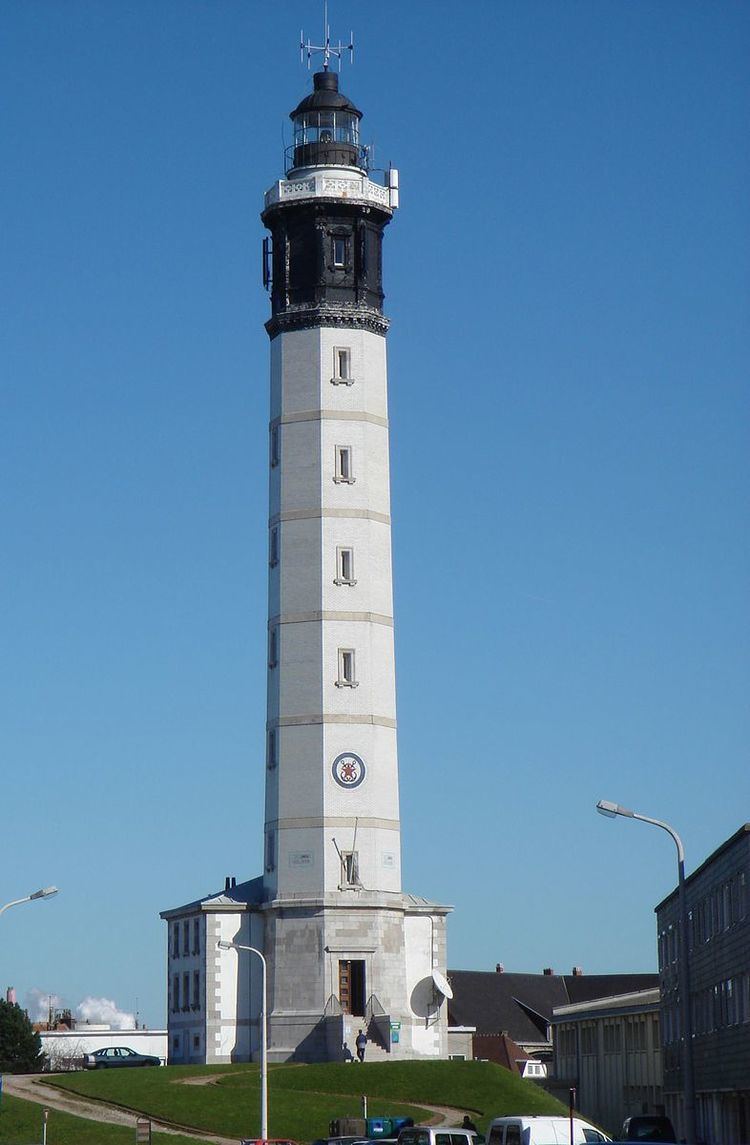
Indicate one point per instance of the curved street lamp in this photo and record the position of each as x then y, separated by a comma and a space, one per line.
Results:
611, 810
44, 893
263, 1034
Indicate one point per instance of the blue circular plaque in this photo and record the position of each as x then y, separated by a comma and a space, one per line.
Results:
349, 770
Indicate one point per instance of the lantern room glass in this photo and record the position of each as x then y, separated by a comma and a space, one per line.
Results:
326, 127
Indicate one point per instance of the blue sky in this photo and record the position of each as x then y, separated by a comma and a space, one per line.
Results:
568, 284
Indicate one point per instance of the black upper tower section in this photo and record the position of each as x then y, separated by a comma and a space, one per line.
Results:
326, 224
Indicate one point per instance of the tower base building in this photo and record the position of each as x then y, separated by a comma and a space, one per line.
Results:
346, 950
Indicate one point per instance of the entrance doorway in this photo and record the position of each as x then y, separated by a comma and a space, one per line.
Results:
352, 986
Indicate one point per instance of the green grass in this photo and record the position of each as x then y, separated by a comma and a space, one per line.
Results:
304, 1098
21, 1124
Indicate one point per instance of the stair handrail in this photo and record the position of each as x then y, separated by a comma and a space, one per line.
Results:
374, 1009
332, 1007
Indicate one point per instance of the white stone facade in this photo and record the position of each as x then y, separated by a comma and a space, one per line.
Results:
314, 714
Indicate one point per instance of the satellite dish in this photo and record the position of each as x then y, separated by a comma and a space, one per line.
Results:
441, 984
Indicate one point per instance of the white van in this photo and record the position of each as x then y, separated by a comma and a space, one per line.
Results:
432, 1135
542, 1130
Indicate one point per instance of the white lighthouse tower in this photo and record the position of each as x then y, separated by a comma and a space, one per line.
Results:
346, 949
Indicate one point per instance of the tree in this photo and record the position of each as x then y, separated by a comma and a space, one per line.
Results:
20, 1045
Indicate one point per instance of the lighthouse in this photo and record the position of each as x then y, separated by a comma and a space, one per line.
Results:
346, 949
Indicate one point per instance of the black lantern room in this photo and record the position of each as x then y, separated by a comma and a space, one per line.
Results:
326, 127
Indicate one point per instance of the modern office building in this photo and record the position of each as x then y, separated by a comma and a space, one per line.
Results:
719, 962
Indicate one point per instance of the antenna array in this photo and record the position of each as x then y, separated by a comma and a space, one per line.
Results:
326, 48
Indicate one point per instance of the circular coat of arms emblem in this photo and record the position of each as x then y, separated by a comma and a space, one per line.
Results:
349, 770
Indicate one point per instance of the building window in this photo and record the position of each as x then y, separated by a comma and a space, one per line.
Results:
275, 446
340, 251
186, 991
344, 471
566, 1041
176, 1043
635, 1036
350, 868
273, 547
344, 565
270, 851
176, 940
588, 1040
745, 998
186, 936
342, 366
196, 1041
273, 647
347, 676
175, 993
196, 936
272, 749
196, 990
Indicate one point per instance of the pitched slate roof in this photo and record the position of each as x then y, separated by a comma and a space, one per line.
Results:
237, 897
521, 1005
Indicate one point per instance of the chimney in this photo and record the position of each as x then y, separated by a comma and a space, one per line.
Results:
10, 995
499, 968
234, 882
578, 972
548, 972
226, 883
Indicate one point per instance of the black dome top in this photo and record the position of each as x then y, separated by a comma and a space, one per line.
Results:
325, 97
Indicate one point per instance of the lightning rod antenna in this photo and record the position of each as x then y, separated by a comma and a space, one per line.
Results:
326, 49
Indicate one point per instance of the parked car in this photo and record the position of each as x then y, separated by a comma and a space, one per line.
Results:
267, 1141
537, 1129
351, 1140
440, 1135
648, 1127
113, 1057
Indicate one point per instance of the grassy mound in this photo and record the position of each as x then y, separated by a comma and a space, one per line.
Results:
304, 1098
21, 1121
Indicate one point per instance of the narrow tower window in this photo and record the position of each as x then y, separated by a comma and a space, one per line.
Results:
196, 990
350, 868
196, 936
270, 851
272, 749
344, 566
340, 252
186, 991
342, 366
273, 648
275, 446
347, 677
273, 547
344, 472
175, 993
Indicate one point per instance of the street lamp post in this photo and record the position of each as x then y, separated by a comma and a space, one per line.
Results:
44, 893
263, 1034
604, 807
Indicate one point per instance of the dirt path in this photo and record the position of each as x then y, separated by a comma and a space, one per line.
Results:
441, 1114
31, 1087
